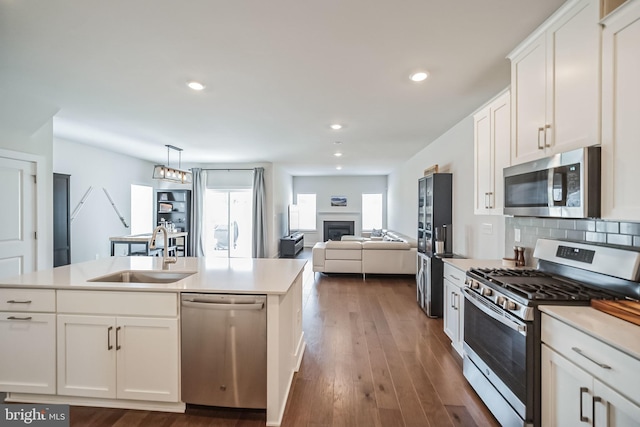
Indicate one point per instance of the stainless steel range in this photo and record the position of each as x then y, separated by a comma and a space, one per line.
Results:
502, 322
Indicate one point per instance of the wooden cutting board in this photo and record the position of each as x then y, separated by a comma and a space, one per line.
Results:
626, 310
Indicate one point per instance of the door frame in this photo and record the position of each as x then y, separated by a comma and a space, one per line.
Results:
44, 223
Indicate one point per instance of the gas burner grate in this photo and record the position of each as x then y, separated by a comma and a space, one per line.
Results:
535, 285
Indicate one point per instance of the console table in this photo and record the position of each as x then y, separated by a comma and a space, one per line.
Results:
291, 245
145, 239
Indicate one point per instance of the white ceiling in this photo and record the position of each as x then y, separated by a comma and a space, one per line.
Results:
278, 72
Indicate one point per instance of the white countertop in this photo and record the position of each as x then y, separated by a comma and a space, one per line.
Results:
216, 275
623, 335
465, 264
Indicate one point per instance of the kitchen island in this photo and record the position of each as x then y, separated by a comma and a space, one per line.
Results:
74, 338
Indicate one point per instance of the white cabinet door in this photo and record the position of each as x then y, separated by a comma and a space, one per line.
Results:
620, 107
555, 85
449, 313
482, 160
528, 86
28, 352
612, 409
573, 79
86, 356
147, 359
566, 392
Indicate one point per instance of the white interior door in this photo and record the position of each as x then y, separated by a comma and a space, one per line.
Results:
17, 234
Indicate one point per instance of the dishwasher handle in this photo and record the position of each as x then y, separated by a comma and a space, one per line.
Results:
223, 306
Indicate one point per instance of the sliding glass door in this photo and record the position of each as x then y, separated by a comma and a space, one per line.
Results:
228, 224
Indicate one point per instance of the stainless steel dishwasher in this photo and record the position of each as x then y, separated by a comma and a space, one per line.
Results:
224, 350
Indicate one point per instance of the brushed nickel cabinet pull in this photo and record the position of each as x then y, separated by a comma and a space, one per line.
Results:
118, 347
594, 400
12, 301
545, 135
581, 353
540, 130
582, 417
109, 329
19, 318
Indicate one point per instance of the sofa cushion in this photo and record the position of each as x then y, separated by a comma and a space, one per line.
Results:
346, 244
385, 245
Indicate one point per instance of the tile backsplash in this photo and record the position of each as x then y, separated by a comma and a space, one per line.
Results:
626, 234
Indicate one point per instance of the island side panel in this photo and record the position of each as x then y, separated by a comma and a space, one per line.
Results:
285, 346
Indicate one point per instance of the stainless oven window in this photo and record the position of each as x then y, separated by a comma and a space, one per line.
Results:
526, 190
502, 348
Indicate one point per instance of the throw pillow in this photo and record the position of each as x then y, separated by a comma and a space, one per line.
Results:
376, 233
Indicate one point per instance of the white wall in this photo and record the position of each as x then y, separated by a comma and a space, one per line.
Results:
350, 186
97, 220
282, 198
474, 236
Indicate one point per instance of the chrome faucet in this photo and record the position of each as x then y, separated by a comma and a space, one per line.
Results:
166, 259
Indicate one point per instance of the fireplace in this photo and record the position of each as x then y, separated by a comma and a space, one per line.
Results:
334, 230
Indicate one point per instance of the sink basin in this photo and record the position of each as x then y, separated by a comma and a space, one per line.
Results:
133, 276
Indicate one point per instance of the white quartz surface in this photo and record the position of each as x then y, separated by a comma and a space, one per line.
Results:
216, 275
466, 264
623, 335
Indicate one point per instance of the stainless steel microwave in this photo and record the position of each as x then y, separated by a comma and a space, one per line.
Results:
566, 185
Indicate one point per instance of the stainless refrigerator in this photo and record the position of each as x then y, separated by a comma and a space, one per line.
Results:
434, 213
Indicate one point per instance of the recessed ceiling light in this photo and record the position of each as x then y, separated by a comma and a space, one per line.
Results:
338, 154
419, 76
336, 126
339, 167
195, 85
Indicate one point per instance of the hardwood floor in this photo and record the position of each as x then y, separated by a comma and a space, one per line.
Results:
372, 359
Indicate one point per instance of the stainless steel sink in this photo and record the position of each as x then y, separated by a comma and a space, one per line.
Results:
135, 276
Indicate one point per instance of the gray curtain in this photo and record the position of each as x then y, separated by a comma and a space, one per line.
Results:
259, 249
196, 241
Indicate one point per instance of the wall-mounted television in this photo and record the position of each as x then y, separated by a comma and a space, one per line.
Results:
293, 223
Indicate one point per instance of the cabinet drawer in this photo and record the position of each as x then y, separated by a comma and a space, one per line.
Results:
118, 303
620, 370
12, 299
454, 275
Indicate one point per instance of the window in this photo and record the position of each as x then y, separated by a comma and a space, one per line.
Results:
307, 211
141, 209
371, 211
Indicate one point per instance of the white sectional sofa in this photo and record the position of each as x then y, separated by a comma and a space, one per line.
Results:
393, 254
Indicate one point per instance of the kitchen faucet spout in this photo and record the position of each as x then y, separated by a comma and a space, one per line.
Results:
166, 259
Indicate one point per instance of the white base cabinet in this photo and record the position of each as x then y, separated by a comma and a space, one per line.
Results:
118, 356
585, 382
28, 340
453, 312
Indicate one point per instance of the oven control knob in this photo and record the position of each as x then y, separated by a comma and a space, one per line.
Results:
487, 292
509, 305
475, 284
501, 301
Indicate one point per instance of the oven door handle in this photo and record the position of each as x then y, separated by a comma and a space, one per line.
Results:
518, 327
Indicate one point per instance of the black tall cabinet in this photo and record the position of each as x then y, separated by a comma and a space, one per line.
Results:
61, 220
434, 210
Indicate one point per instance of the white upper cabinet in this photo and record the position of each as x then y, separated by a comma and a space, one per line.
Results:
492, 133
555, 84
620, 113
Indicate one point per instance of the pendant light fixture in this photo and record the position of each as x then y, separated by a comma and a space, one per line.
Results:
168, 173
